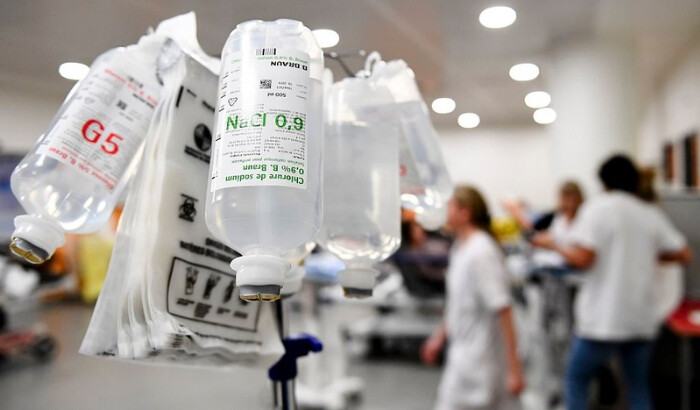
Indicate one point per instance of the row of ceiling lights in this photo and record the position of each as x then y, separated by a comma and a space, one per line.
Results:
492, 17
500, 17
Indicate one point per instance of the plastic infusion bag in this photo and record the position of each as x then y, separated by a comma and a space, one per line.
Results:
169, 294
361, 224
425, 182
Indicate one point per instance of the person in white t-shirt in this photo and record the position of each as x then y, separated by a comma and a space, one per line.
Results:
617, 240
483, 370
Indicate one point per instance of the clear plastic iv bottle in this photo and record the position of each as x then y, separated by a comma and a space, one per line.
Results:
361, 223
71, 179
264, 196
425, 182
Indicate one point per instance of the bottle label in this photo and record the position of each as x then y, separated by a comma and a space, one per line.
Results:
102, 128
261, 122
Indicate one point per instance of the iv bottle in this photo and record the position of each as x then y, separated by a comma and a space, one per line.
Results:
72, 178
361, 223
264, 196
425, 182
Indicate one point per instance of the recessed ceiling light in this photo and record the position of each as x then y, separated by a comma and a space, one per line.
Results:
73, 71
444, 105
468, 120
524, 72
544, 116
538, 99
497, 17
326, 38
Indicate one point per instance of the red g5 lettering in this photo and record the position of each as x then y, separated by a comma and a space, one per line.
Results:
92, 125
92, 132
114, 148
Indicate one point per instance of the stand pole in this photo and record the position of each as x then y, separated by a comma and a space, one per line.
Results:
283, 391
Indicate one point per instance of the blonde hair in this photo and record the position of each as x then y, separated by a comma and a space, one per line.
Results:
470, 198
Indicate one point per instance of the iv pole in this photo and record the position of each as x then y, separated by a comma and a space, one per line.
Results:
283, 391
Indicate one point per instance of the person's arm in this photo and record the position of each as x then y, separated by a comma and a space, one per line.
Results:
579, 257
542, 240
515, 381
673, 246
516, 210
684, 255
584, 238
430, 351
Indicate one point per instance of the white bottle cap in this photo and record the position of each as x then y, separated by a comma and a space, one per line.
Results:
35, 238
358, 283
260, 277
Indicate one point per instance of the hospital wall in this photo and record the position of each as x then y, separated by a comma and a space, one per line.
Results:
673, 110
503, 162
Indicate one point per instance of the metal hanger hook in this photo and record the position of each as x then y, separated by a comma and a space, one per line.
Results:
372, 59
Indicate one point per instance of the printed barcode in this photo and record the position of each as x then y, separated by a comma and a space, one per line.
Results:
266, 52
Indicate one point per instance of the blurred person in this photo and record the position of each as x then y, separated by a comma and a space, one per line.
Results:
570, 200
555, 224
412, 234
422, 260
483, 370
617, 241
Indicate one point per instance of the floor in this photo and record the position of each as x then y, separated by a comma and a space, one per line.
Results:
75, 382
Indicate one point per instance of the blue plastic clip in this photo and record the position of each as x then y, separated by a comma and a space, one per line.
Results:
294, 347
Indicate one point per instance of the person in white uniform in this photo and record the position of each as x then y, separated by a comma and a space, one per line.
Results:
570, 200
483, 370
617, 240
555, 224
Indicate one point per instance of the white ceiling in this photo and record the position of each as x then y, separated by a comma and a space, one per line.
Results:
451, 53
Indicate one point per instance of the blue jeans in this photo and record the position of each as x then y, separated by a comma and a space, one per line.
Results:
587, 356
